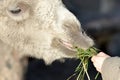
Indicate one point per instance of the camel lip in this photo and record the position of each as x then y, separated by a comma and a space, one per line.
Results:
67, 44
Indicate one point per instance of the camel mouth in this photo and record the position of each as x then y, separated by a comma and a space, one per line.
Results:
67, 44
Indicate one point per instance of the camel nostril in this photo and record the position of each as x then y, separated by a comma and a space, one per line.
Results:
83, 32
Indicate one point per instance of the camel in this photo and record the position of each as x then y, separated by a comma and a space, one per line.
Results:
44, 29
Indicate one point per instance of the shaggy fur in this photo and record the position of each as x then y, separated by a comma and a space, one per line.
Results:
40, 28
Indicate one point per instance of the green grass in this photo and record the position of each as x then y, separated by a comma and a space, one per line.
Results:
82, 68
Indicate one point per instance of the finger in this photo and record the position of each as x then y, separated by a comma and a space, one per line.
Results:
97, 66
93, 58
98, 69
101, 54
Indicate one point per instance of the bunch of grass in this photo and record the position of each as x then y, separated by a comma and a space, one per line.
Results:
82, 68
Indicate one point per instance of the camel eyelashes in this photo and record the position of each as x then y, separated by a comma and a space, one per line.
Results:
16, 11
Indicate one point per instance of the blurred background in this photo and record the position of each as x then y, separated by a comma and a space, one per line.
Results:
101, 21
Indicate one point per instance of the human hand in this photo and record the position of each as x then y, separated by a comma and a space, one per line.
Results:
98, 60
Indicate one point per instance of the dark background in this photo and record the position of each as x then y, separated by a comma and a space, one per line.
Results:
101, 20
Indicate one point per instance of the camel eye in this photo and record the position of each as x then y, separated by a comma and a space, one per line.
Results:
19, 11
16, 11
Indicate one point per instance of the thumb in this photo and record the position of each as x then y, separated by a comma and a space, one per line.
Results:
101, 54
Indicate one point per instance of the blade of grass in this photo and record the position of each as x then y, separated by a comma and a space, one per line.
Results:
84, 56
